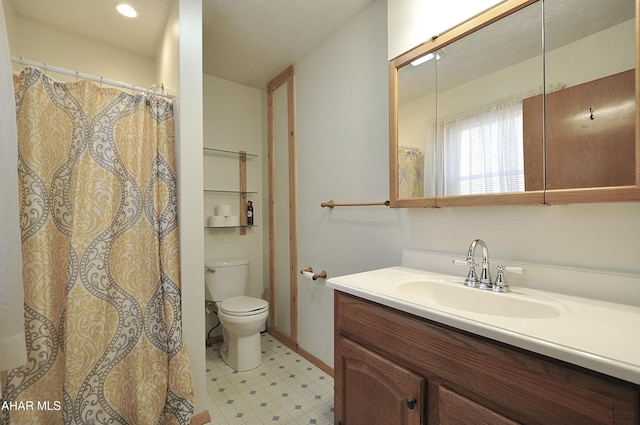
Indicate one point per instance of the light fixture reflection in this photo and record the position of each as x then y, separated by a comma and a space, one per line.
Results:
126, 10
426, 58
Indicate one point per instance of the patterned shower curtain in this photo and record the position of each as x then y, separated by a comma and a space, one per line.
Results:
410, 173
100, 259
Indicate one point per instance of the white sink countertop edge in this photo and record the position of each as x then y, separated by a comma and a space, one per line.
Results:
597, 335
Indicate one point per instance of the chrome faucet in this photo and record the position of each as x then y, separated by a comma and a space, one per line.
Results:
485, 281
472, 280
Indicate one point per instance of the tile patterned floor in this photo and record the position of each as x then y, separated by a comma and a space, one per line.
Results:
284, 390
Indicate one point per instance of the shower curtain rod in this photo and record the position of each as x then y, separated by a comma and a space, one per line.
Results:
77, 74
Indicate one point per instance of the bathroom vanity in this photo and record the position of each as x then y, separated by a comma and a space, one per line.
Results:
409, 357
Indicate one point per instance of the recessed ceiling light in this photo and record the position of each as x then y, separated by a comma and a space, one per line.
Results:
126, 10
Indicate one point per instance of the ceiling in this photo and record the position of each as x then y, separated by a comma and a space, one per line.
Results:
245, 41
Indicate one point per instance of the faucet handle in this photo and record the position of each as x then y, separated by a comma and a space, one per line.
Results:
472, 279
500, 285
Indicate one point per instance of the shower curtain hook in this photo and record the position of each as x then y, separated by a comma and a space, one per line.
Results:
155, 86
101, 81
77, 75
45, 68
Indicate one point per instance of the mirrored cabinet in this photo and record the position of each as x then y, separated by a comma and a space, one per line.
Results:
530, 102
220, 211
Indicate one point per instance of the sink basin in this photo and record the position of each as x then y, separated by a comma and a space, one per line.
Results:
459, 297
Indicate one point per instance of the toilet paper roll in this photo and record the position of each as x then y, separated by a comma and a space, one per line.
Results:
216, 221
308, 275
233, 220
223, 210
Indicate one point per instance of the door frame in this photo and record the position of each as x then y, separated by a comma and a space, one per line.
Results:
285, 77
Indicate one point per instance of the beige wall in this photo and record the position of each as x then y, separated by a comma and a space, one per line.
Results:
412, 22
10, 22
42, 43
233, 122
168, 55
342, 154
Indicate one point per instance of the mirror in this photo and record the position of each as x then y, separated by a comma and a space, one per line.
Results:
590, 124
498, 114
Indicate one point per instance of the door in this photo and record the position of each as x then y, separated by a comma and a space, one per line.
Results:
372, 390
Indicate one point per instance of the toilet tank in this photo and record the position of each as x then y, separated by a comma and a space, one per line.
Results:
225, 278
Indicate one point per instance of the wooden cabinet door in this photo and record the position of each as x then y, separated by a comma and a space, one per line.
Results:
372, 390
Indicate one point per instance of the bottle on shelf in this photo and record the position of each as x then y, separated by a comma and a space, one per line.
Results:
249, 213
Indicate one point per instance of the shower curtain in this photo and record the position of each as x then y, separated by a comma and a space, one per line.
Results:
410, 173
100, 259
13, 350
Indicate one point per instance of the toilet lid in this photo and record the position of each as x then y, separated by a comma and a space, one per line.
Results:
243, 306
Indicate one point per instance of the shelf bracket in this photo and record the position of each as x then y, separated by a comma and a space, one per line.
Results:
243, 192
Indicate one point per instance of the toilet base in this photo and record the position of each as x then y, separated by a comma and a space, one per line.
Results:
241, 353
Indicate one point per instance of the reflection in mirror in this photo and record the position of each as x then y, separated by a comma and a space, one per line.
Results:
590, 123
460, 127
482, 80
416, 127
491, 120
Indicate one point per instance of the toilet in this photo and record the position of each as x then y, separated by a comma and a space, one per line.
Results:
241, 317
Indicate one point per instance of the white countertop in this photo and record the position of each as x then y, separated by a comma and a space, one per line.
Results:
598, 335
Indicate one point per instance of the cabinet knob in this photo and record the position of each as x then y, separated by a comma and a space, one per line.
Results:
411, 403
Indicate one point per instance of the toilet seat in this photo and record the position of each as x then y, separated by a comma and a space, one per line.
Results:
243, 306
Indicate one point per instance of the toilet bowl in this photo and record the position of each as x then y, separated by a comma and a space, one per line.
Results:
241, 317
